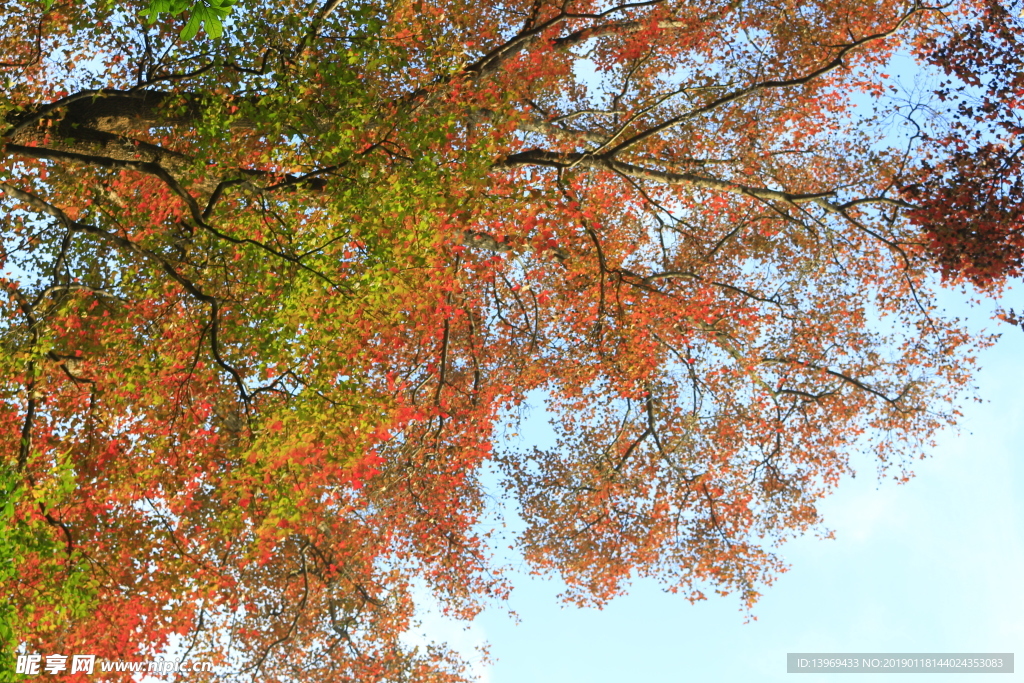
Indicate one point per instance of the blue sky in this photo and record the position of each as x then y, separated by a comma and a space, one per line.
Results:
934, 565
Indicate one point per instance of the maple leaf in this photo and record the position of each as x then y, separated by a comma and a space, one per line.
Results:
388, 225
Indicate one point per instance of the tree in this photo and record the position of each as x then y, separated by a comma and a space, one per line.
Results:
274, 300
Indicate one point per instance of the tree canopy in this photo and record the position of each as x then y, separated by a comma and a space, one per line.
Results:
274, 299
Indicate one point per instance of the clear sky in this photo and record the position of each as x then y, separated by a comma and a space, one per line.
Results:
935, 565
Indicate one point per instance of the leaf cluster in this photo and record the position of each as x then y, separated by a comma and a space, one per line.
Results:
206, 14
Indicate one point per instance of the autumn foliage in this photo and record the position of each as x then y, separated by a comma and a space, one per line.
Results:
272, 303
970, 195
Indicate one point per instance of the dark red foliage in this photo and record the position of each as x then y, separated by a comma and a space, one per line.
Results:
970, 203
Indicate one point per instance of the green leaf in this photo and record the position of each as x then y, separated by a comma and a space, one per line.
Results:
156, 7
213, 27
192, 27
